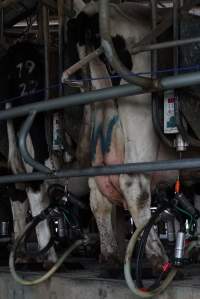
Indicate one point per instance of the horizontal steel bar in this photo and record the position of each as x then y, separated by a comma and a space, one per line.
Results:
145, 167
171, 82
164, 45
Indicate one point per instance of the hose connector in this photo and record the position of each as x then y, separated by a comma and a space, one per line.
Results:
179, 249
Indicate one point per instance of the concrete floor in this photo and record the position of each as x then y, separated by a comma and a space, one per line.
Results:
85, 284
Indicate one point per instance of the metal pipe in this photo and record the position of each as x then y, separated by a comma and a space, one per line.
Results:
163, 26
154, 55
155, 97
144, 167
60, 4
48, 120
78, 65
176, 34
23, 146
7, 3
164, 45
2, 25
110, 52
46, 48
178, 81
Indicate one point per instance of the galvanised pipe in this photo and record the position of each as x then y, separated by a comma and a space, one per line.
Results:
144, 167
7, 3
154, 54
110, 52
176, 34
178, 81
60, 4
164, 45
45, 11
81, 63
163, 26
23, 146
154, 98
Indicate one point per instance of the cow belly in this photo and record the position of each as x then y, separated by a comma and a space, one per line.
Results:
109, 185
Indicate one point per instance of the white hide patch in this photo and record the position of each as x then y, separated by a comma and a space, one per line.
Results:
38, 202
19, 211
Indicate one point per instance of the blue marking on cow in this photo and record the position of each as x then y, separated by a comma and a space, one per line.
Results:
105, 140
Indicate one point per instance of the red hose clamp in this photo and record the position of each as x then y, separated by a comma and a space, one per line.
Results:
166, 266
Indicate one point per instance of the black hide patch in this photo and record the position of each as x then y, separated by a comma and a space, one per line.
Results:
23, 77
84, 31
142, 200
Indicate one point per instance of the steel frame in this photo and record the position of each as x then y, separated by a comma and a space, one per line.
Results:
31, 110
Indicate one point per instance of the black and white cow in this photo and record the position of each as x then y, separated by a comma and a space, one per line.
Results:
122, 130
23, 74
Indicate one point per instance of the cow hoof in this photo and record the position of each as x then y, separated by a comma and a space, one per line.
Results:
110, 267
156, 263
111, 273
47, 265
25, 260
111, 270
112, 260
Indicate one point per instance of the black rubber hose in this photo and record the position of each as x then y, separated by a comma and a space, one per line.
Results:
143, 242
40, 252
61, 192
36, 220
179, 121
142, 245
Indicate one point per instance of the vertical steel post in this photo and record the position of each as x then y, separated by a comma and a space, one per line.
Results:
154, 66
181, 136
176, 34
45, 11
154, 54
60, 42
1, 24
48, 121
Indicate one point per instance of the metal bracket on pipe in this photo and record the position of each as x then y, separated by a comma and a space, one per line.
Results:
23, 146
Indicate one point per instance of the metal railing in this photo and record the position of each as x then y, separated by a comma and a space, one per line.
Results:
31, 110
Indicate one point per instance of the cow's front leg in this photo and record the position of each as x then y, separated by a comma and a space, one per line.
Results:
19, 212
102, 210
19, 208
38, 201
136, 190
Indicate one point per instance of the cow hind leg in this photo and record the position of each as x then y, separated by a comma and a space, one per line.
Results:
38, 202
136, 190
102, 210
19, 211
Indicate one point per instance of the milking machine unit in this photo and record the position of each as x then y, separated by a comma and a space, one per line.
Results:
174, 213
175, 208
66, 231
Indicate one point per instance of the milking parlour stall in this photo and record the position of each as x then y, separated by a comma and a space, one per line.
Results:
99, 149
